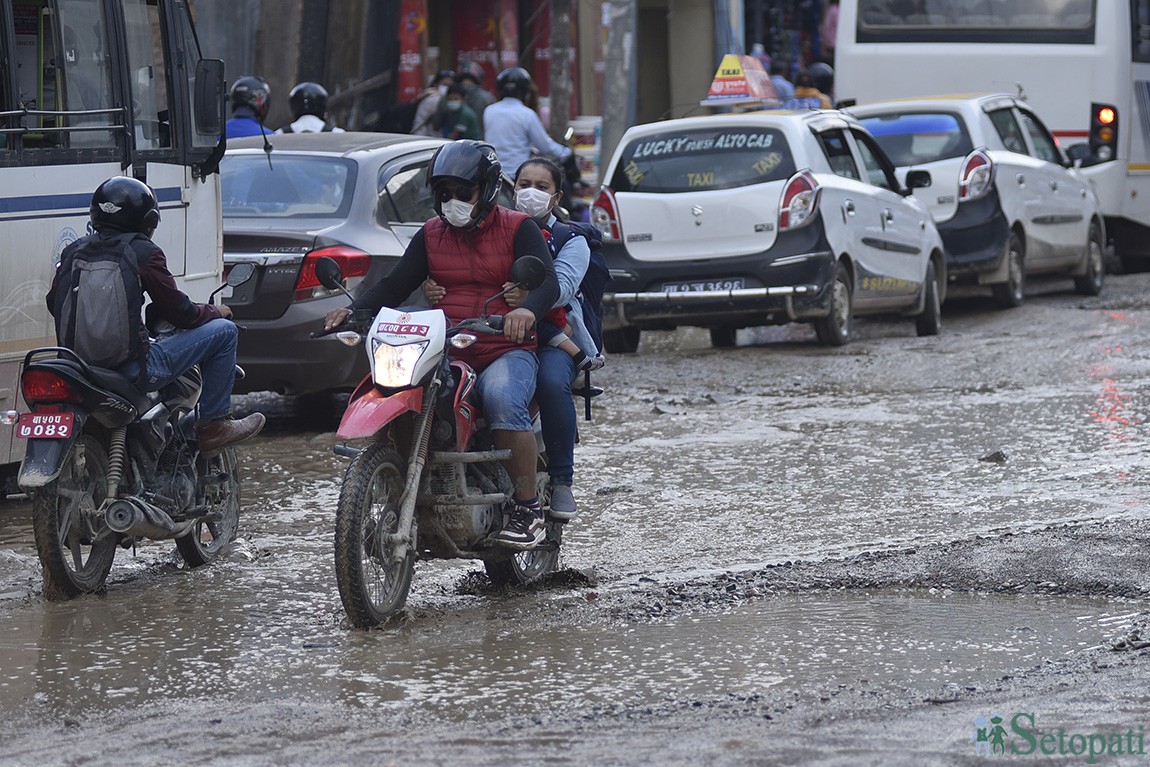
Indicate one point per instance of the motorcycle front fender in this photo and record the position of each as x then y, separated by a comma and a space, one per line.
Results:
370, 410
44, 458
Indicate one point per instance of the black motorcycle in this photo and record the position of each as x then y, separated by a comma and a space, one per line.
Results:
107, 465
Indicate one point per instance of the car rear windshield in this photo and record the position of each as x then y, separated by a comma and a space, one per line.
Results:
290, 187
913, 139
701, 159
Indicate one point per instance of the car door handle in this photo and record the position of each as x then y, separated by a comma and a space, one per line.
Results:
848, 209
887, 217
1054, 186
1021, 179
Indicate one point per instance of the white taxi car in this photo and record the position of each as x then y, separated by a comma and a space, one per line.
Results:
1007, 201
735, 220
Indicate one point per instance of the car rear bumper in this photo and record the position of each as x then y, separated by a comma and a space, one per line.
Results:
790, 281
975, 238
279, 355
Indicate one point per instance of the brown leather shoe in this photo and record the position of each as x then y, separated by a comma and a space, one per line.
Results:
227, 431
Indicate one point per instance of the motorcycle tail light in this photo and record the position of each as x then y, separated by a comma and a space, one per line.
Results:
605, 216
354, 264
800, 201
44, 386
977, 176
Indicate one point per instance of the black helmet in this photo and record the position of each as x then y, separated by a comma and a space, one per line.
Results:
470, 70
308, 99
251, 92
514, 82
823, 75
125, 204
468, 162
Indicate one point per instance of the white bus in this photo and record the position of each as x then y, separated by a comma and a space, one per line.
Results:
1083, 65
91, 89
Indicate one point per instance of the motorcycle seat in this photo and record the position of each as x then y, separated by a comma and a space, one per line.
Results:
120, 385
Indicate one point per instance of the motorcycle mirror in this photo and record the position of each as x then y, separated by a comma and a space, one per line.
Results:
239, 274
328, 273
528, 272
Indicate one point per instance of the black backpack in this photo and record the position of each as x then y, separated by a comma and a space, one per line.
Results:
594, 281
98, 300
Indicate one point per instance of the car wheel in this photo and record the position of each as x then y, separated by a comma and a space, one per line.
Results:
1010, 293
1090, 284
621, 341
835, 328
723, 337
929, 322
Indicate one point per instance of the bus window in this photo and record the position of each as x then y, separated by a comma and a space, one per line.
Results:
1024, 21
148, 75
1140, 26
86, 65
1044, 146
1008, 130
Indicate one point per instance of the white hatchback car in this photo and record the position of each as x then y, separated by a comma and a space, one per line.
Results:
736, 220
1007, 201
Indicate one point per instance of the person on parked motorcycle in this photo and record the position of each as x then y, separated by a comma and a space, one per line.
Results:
205, 334
562, 350
250, 97
469, 250
513, 128
308, 102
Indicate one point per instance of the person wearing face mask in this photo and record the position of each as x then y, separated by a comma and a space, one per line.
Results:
458, 120
469, 249
565, 345
424, 122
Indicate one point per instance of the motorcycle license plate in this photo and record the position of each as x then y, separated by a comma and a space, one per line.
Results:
44, 425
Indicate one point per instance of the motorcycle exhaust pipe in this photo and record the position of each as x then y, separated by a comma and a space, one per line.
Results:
140, 519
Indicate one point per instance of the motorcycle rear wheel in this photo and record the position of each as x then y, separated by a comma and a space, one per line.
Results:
66, 526
372, 584
221, 484
526, 566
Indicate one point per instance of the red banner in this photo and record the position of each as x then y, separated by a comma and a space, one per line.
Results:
474, 28
412, 43
508, 34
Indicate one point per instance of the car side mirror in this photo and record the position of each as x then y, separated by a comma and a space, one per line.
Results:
918, 179
1078, 154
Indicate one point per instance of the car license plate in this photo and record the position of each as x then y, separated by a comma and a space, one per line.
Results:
696, 286
44, 425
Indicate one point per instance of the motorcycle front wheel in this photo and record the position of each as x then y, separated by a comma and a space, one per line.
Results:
74, 544
372, 583
220, 490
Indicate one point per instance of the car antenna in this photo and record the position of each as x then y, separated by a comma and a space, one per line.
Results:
267, 144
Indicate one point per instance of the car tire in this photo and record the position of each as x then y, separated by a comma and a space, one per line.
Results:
1010, 294
723, 336
835, 328
929, 321
621, 341
1090, 283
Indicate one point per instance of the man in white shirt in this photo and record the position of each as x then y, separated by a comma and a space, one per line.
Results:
513, 128
309, 106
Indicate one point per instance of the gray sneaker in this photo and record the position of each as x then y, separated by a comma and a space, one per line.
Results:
562, 503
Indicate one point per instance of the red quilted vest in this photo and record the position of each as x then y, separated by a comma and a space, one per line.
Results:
472, 266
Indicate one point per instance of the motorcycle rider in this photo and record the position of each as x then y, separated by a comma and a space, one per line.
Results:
206, 336
250, 97
513, 128
308, 103
469, 250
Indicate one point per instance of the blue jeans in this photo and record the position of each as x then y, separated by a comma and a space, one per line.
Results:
557, 412
506, 387
212, 345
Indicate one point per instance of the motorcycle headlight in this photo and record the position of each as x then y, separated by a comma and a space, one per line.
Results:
394, 366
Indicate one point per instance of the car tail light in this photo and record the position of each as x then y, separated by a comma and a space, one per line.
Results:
40, 386
976, 177
800, 201
1104, 132
352, 262
605, 216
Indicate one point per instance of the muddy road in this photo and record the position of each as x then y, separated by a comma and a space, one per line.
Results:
785, 554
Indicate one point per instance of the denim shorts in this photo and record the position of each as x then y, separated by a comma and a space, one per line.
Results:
506, 387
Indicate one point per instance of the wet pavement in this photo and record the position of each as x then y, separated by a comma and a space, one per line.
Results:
708, 480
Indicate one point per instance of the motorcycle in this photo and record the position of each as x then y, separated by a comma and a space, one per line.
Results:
106, 465
430, 484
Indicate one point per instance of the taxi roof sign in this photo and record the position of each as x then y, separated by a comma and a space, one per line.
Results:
741, 79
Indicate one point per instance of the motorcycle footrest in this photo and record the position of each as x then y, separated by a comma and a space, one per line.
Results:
443, 456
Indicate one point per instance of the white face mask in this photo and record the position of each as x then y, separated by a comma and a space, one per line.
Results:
458, 213
534, 202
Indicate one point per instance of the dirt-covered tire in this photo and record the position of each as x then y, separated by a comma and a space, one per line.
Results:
526, 566
220, 483
723, 336
621, 340
372, 585
1090, 283
835, 328
65, 524
1011, 293
929, 322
